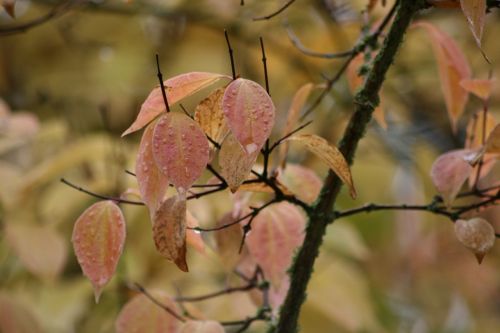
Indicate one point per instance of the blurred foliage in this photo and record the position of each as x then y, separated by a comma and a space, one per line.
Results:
82, 76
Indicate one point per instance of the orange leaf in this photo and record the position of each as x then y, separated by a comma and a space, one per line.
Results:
40, 248
169, 231
180, 149
9, 6
208, 114
276, 232
302, 181
480, 88
177, 88
140, 314
453, 68
298, 102
475, 133
202, 326
249, 112
330, 155
475, 12
449, 172
235, 162
477, 235
493, 142
98, 239
152, 182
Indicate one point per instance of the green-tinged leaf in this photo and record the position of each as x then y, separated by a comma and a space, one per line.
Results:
98, 239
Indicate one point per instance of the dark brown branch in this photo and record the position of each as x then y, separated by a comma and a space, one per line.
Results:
275, 13
101, 196
57, 11
162, 86
265, 151
231, 56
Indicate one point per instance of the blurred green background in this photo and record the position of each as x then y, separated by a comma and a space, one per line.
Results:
70, 87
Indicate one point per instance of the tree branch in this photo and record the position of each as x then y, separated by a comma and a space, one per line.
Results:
365, 102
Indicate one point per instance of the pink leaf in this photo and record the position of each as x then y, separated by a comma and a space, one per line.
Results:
202, 326
301, 181
152, 182
276, 232
40, 248
249, 113
449, 172
98, 239
194, 238
16, 318
475, 12
453, 68
180, 149
169, 231
177, 88
140, 314
235, 162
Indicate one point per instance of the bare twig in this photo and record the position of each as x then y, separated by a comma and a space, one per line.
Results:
101, 196
275, 13
142, 290
231, 57
162, 86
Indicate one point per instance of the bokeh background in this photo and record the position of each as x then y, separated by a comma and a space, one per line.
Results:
70, 86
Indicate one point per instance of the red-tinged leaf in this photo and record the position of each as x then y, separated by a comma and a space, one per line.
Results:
492, 145
355, 80
169, 231
228, 240
235, 162
9, 6
330, 155
298, 102
475, 12
153, 184
180, 149
202, 326
41, 249
477, 235
478, 87
177, 88
453, 68
140, 314
208, 114
249, 112
16, 318
98, 239
449, 172
276, 232
301, 181
193, 238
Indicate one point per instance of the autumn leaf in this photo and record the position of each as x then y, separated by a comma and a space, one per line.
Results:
177, 88
330, 155
249, 112
193, 237
9, 6
169, 231
477, 235
17, 318
453, 68
478, 129
478, 87
180, 149
41, 249
475, 12
140, 314
202, 326
98, 239
449, 172
301, 181
228, 240
493, 142
208, 114
152, 182
298, 102
276, 232
235, 162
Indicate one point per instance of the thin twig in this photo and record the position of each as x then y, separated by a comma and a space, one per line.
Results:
162, 86
275, 13
231, 57
277, 143
101, 196
167, 309
222, 292
265, 151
